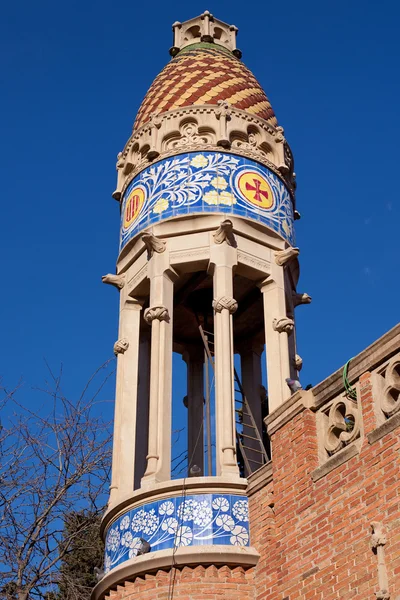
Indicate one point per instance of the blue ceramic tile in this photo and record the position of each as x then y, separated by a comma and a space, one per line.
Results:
203, 519
206, 182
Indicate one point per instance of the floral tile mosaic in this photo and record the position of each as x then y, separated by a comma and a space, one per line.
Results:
204, 519
199, 182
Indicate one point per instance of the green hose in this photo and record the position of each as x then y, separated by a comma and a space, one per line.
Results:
350, 391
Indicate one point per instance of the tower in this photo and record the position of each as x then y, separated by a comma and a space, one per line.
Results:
208, 269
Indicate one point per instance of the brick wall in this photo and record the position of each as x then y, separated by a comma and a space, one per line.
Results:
199, 583
322, 543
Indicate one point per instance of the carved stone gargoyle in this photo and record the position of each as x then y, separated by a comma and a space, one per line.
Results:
301, 299
153, 244
284, 257
224, 233
117, 281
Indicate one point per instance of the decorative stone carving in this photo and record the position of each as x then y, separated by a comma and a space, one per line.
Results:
229, 304
117, 281
224, 233
390, 399
155, 124
156, 312
343, 425
121, 346
223, 114
378, 542
301, 299
284, 257
203, 127
298, 362
153, 244
283, 325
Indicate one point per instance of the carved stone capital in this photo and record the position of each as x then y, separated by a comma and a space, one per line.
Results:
224, 302
224, 233
117, 281
284, 257
283, 325
301, 299
153, 244
378, 534
121, 346
156, 312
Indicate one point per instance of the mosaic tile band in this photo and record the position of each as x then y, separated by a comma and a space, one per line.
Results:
193, 520
212, 182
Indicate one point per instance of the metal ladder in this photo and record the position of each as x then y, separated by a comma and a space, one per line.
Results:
254, 456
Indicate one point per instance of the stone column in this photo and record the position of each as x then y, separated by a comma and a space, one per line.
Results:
194, 358
142, 420
159, 316
277, 329
223, 258
251, 379
127, 352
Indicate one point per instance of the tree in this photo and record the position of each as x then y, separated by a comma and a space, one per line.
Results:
54, 465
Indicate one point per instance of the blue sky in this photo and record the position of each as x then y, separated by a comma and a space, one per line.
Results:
73, 76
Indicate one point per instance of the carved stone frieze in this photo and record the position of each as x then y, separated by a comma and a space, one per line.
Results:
121, 346
210, 127
117, 281
284, 257
224, 302
156, 312
253, 261
390, 397
224, 233
283, 325
301, 299
343, 425
137, 278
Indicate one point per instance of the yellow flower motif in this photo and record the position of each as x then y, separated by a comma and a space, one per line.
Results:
211, 197
199, 161
286, 228
214, 198
227, 198
161, 205
219, 183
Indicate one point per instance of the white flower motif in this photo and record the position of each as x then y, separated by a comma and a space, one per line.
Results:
240, 536
219, 183
185, 510
240, 510
226, 522
126, 539
170, 525
138, 520
151, 523
107, 563
161, 205
214, 198
134, 546
184, 536
113, 540
199, 161
220, 503
166, 508
125, 522
202, 514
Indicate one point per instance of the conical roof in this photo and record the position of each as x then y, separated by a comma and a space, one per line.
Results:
205, 73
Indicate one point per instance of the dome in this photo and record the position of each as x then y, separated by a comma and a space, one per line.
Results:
201, 74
